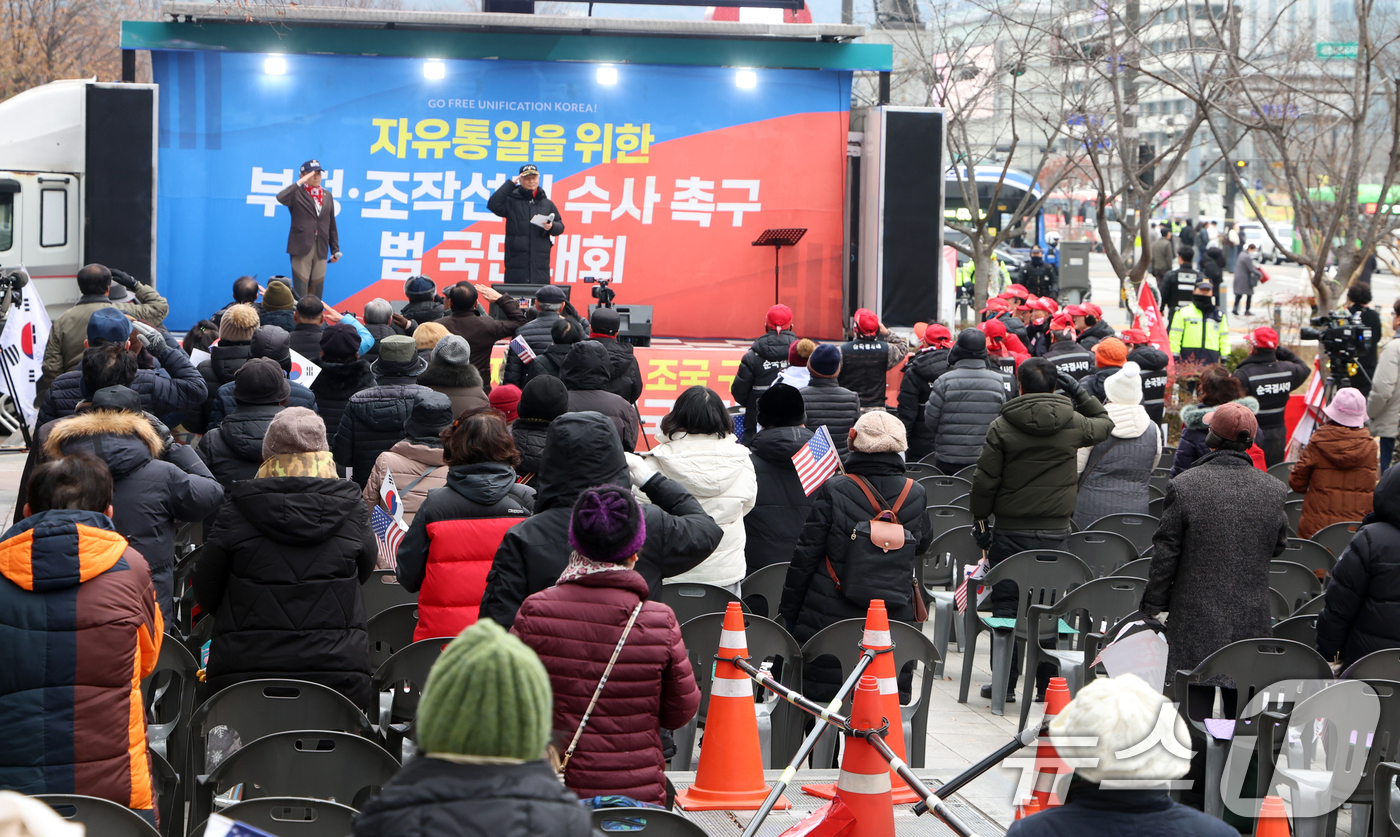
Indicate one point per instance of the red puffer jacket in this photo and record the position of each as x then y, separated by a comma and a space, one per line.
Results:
452, 541
574, 627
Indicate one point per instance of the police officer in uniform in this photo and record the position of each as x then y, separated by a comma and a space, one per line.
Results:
1040, 277
1179, 284
1269, 374
1200, 332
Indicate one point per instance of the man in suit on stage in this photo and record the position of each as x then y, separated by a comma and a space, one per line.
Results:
312, 241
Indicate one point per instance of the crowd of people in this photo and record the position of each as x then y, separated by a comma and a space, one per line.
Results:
536, 534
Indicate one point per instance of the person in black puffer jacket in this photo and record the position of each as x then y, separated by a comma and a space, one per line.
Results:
771, 527
373, 419
1362, 609
866, 358
232, 351
920, 371
483, 725
1091, 328
963, 403
268, 342
527, 245
378, 322
626, 374
1065, 352
761, 365
343, 373
310, 316
424, 305
278, 304
829, 404
541, 402
582, 452
233, 450
538, 333
586, 373
564, 335
282, 566
811, 600
1153, 363
1270, 374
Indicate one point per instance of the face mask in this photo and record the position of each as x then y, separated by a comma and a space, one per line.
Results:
1204, 303
1037, 259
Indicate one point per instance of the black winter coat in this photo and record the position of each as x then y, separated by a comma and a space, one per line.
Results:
1270, 375
1154, 379
280, 575
1071, 358
1362, 609
527, 246
371, 424
579, 455
771, 527
831, 405
306, 341
435, 798
171, 393
224, 361
151, 495
1041, 279
529, 435
920, 371
549, 361
626, 378
284, 320
536, 333
586, 373
760, 367
334, 387
423, 311
963, 403
1090, 337
225, 404
864, 362
233, 450
1091, 812
810, 598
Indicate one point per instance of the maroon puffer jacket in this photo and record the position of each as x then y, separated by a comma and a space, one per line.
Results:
574, 627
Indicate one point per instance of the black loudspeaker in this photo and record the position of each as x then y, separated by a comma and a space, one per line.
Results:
121, 177
902, 173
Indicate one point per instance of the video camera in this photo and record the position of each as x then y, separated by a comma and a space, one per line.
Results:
1343, 338
604, 294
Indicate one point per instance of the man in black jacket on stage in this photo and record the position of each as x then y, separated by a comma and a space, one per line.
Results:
520, 200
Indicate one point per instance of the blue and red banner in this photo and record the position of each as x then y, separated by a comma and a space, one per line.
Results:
663, 178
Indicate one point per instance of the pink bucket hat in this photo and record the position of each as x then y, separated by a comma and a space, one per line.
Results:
1348, 407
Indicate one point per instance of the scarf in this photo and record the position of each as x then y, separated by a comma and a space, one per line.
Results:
580, 566
317, 194
314, 464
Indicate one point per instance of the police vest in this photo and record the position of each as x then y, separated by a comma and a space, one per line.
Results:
864, 362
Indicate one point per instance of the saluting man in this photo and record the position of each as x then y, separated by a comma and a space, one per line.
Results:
312, 241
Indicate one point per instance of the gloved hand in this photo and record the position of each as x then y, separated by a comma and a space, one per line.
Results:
166, 437
982, 534
124, 279
1070, 386
152, 339
1150, 611
640, 468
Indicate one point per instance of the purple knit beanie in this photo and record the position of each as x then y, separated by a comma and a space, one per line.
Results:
607, 525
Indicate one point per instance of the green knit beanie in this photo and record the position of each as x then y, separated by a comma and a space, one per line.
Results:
487, 695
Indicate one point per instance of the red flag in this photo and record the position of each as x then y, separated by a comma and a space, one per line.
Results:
1149, 319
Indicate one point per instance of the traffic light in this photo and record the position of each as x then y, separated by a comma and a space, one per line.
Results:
1241, 164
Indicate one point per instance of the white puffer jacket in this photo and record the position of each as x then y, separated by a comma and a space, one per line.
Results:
719, 473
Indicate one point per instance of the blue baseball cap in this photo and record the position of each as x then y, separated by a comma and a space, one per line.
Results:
108, 325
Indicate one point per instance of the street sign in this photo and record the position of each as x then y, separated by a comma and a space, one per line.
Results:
1336, 49
1258, 184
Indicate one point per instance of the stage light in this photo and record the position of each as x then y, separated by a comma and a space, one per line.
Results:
746, 79
607, 74
434, 70
275, 65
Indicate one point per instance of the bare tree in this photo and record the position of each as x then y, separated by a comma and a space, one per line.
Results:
46, 40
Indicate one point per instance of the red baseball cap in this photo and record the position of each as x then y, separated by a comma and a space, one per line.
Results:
1050, 305
1077, 311
994, 329
998, 305
938, 335
866, 321
1032, 303
1061, 321
1263, 338
780, 317
1093, 309
1133, 336
1018, 291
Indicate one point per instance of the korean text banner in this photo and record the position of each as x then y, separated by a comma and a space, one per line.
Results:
663, 178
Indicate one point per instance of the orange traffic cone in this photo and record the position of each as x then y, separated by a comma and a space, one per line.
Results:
1030, 806
730, 776
1273, 818
1048, 764
877, 636
864, 783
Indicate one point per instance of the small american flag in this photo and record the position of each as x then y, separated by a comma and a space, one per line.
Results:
970, 574
388, 532
816, 461
521, 348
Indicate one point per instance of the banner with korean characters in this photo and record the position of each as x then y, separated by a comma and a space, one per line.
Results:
663, 179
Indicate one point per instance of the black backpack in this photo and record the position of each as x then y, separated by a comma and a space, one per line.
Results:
881, 554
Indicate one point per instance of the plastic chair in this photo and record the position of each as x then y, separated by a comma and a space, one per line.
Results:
1312, 608
315, 764
1297, 583
1155, 493
1135, 569
1337, 536
1299, 629
1281, 471
1043, 576
1294, 508
943, 518
289, 816
762, 591
914, 470
391, 630
1161, 477
1310, 554
184, 591
691, 599
382, 591
1165, 458
1254, 666
1138, 528
842, 641
942, 564
779, 723
1091, 609
169, 794
1101, 551
651, 822
1156, 506
1386, 800
964, 501
170, 695
101, 817
399, 683
1377, 665
254, 709
1279, 608
929, 460
939, 491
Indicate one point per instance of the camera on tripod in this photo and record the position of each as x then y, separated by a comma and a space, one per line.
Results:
1343, 338
604, 294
